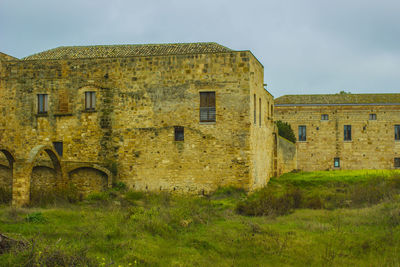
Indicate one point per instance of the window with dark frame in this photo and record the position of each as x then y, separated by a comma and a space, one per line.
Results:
397, 132
324, 117
255, 109
336, 162
58, 146
207, 107
259, 110
90, 100
372, 117
347, 132
179, 133
42, 103
397, 162
302, 133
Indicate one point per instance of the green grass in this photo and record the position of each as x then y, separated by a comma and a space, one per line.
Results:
123, 228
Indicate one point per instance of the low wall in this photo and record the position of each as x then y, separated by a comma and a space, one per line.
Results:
286, 156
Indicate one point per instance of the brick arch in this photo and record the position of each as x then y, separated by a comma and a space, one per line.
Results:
9, 155
52, 154
92, 166
6, 174
89, 178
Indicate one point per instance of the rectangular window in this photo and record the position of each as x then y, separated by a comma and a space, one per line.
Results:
347, 132
42, 103
179, 133
372, 117
397, 162
207, 107
336, 162
255, 109
324, 117
302, 133
259, 110
397, 132
90, 100
58, 146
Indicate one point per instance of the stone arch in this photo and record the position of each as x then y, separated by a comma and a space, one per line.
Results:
44, 179
89, 178
6, 176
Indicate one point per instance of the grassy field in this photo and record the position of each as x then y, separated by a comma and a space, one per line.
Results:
338, 218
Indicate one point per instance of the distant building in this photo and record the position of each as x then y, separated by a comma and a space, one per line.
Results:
343, 131
177, 117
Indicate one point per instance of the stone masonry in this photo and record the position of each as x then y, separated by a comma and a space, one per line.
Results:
90, 116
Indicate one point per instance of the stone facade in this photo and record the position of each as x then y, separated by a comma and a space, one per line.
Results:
142, 93
371, 117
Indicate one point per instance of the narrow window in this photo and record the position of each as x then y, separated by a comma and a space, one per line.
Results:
272, 110
42, 103
302, 133
207, 107
372, 117
255, 109
259, 111
324, 117
90, 100
268, 109
179, 133
347, 133
397, 132
58, 146
397, 162
336, 162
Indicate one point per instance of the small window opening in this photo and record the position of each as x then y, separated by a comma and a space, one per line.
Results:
397, 132
302, 133
179, 133
255, 109
90, 100
372, 117
207, 107
259, 111
336, 162
42, 103
347, 132
397, 162
324, 117
58, 146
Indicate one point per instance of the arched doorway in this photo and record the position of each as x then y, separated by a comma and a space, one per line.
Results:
89, 179
46, 176
6, 175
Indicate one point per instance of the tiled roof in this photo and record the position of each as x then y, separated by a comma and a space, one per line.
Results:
337, 99
102, 51
6, 57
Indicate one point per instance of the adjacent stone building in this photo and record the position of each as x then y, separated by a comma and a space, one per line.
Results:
178, 117
343, 131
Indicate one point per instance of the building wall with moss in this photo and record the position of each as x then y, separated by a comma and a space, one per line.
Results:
129, 136
372, 144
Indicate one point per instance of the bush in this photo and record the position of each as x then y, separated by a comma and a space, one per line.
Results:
286, 131
35, 217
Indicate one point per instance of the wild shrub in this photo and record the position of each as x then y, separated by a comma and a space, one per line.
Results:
228, 192
35, 217
119, 186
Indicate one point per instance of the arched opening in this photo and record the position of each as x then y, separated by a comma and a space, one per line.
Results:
6, 176
46, 175
86, 180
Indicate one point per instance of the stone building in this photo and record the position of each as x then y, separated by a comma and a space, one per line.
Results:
179, 117
343, 131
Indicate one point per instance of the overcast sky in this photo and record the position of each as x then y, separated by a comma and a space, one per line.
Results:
306, 46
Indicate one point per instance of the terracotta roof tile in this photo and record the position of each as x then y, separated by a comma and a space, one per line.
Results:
337, 99
103, 51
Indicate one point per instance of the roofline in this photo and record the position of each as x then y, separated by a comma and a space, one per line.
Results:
343, 104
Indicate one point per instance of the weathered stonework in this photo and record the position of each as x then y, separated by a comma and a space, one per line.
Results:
129, 135
372, 144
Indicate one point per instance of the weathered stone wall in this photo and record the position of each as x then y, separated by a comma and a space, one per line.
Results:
88, 180
139, 100
372, 145
286, 156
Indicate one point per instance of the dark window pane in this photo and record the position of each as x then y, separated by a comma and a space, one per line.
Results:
372, 117
207, 107
324, 117
397, 132
90, 100
302, 133
397, 162
179, 133
336, 162
42, 103
58, 146
347, 132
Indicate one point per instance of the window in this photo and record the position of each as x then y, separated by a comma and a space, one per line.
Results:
302, 133
324, 117
336, 162
255, 109
397, 162
259, 110
347, 133
42, 103
58, 146
397, 132
90, 100
179, 133
372, 117
207, 106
